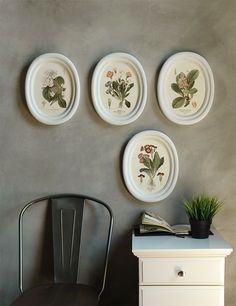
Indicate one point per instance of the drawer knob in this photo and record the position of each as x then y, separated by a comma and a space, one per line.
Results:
181, 273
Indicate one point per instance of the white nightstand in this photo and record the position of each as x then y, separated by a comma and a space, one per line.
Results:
181, 271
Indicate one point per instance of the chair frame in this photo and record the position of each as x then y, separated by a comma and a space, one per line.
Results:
61, 196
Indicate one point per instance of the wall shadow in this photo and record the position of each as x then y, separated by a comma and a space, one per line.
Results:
122, 277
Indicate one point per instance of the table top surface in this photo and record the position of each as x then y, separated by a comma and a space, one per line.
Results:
151, 246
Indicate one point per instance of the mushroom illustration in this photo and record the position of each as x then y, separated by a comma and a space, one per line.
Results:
160, 174
141, 176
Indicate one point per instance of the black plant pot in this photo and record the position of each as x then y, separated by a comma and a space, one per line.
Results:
200, 229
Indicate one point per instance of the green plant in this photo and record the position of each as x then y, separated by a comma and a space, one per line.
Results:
184, 86
119, 86
202, 207
152, 161
53, 91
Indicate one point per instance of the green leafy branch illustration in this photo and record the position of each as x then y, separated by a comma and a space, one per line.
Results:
184, 86
119, 87
152, 162
53, 92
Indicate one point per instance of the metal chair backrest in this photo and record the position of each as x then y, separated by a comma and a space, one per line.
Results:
67, 220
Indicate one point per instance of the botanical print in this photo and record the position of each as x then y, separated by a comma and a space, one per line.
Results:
118, 86
184, 86
151, 163
53, 90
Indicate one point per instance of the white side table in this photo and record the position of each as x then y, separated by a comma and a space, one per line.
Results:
177, 271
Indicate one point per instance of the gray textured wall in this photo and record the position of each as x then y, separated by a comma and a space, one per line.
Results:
84, 155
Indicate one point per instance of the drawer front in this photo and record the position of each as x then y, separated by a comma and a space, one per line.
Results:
181, 296
181, 271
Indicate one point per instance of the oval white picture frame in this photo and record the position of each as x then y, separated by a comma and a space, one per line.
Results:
185, 88
52, 88
119, 88
154, 151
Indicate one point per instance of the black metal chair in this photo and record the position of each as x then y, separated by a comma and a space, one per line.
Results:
67, 212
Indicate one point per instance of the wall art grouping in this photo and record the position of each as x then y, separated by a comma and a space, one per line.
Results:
185, 88
185, 92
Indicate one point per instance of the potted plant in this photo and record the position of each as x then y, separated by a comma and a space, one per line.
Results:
201, 210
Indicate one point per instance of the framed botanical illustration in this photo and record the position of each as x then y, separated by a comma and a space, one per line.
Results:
52, 88
119, 88
150, 166
185, 88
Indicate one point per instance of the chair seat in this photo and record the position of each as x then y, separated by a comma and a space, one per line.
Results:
58, 295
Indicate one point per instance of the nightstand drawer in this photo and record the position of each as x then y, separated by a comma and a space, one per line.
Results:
181, 296
181, 271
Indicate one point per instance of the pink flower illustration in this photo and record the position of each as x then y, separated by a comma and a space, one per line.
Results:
185, 89
119, 86
148, 148
151, 162
109, 74
183, 83
142, 157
